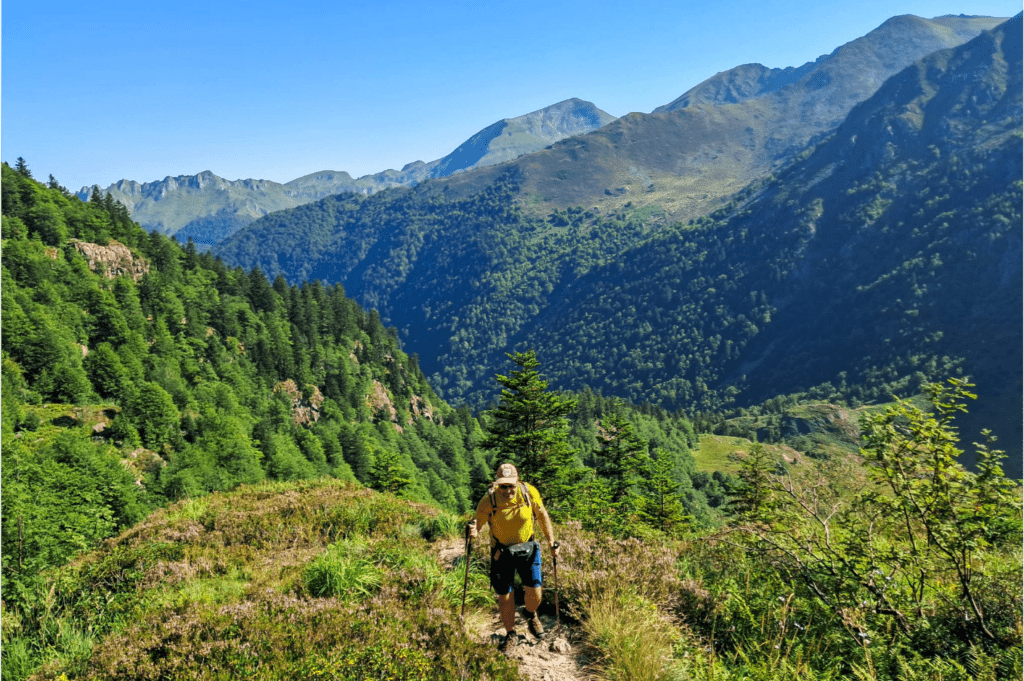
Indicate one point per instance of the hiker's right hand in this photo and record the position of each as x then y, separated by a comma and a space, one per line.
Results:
472, 530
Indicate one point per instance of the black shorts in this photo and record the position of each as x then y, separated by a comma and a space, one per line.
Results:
503, 571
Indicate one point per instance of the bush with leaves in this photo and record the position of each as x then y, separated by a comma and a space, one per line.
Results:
916, 553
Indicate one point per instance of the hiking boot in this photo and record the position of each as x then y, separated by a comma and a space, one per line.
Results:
534, 624
508, 646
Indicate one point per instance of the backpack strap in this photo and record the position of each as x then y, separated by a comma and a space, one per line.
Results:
494, 503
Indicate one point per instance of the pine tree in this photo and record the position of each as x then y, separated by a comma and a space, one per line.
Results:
387, 474
621, 457
755, 498
529, 428
662, 506
22, 168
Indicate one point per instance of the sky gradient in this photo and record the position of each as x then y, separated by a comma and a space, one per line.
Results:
94, 94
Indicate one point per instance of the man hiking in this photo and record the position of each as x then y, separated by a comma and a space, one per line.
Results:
510, 507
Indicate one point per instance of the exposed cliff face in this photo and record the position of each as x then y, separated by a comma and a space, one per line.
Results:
111, 261
305, 410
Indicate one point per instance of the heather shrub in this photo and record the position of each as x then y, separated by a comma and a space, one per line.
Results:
270, 635
184, 581
592, 565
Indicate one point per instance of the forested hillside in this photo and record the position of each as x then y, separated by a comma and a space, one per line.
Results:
869, 265
461, 277
137, 372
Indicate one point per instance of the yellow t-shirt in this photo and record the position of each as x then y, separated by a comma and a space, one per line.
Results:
512, 522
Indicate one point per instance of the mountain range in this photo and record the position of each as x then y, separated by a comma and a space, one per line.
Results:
884, 254
683, 158
207, 208
707, 143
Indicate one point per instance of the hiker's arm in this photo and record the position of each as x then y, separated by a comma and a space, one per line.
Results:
545, 525
476, 525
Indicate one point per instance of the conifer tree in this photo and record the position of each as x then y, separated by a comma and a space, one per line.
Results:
22, 167
387, 474
529, 428
661, 507
621, 457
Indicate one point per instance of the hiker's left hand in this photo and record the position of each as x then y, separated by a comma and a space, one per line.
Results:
554, 550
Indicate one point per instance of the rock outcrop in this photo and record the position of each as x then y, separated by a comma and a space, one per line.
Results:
305, 410
111, 261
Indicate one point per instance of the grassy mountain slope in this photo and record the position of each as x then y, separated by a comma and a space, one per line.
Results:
208, 208
316, 580
718, 136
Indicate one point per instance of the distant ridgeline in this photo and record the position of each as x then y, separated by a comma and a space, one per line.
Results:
207, 208
883, 257
136, 371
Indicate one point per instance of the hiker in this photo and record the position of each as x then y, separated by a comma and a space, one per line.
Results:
510, 507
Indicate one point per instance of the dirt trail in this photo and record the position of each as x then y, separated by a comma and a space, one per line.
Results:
557, 656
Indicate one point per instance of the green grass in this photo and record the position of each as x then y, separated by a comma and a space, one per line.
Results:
257, 583
634, 640
718, 453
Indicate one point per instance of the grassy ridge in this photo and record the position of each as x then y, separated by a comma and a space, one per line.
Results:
324, 580
232, 585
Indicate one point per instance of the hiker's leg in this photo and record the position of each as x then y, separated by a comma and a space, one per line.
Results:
532, 597
507, 610
502, 575
530, 574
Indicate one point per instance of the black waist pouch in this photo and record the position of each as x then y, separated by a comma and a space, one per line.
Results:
522, 551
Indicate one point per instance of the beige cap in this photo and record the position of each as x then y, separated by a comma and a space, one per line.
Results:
507, 473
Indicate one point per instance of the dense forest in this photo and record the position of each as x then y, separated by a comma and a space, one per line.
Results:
137, 372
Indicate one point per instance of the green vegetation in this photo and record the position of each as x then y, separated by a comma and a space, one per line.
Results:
192, 388
529, 429
297, 580
212, 474
137, 373
865, 268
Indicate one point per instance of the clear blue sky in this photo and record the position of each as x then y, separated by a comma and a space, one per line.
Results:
94, 93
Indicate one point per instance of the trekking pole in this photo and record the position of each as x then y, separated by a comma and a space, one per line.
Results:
554, 563
465, 582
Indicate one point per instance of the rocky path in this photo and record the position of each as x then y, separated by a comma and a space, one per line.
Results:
557, 656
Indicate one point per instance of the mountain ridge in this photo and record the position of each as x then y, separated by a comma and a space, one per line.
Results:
206, 207
683, 160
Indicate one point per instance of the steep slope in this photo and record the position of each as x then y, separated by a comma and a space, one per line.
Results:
208, 208
467, 278
890, 255
725, 132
